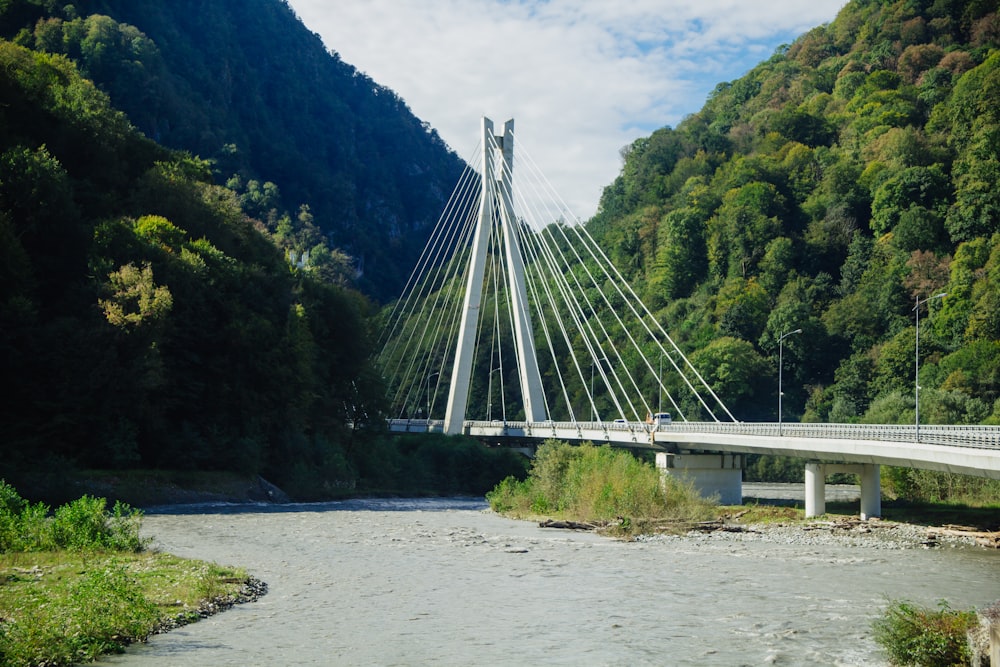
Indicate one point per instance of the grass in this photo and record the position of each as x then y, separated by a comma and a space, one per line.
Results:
64, 607
78, 582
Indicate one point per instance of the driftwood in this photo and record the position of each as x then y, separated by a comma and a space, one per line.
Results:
571, 525
986, 538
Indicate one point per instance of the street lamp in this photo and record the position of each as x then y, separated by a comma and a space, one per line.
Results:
659, 387
489, 395
781, 341
916, 358
593, 405
428, 383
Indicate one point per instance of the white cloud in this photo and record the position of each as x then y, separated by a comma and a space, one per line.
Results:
581, 78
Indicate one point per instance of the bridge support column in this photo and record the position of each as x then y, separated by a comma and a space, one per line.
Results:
815, 489
711, 474
871, 487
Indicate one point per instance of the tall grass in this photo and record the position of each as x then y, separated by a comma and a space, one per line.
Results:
599, 485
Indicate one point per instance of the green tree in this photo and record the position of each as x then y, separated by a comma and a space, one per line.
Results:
680, 259
737, 372
924, 187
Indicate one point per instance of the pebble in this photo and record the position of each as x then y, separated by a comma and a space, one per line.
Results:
873, 535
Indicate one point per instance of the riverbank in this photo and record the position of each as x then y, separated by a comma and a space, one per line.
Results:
840, 531
78, 581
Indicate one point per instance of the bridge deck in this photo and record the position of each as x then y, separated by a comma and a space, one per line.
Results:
968, 450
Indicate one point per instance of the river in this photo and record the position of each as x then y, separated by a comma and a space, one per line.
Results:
446, 582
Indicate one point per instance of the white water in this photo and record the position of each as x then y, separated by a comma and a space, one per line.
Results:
446, 582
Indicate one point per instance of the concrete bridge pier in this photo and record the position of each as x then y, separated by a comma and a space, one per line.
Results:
711, 474
871, 487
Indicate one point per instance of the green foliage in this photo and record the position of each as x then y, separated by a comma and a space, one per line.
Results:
70, 607
866, 154
774, 469
923, 187
158, 325
915, 635
301, 128
600, 485
110, 610
82, 524
548, 474
928, 486
737, 372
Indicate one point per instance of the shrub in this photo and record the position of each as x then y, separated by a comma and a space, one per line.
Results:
82, 524
507, 496
915, 635
548, 473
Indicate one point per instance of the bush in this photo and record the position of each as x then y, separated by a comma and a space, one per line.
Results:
82, 524
110, 610
507, 496
914, 635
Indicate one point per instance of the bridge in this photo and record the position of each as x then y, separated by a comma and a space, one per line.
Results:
495, 277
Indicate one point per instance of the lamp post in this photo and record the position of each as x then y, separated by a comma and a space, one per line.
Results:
489, 395
593, 405
916, 359
428, 383
659, 387
781, 341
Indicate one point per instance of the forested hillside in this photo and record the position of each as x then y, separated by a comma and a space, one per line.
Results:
306, 139
829, 189
144, 320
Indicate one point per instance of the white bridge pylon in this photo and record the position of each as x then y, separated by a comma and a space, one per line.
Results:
492, 213
563, 316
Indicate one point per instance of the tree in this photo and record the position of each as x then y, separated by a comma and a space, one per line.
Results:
680, 258
976, 211
737, 373
925, 187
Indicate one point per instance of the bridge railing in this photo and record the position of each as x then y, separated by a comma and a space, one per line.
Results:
983, 437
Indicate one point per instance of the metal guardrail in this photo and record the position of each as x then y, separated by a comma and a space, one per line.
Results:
979, 437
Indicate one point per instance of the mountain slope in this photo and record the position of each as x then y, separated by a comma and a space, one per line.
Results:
829, 189
144, 319
245, 84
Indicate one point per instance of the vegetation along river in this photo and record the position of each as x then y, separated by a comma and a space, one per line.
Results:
447, 582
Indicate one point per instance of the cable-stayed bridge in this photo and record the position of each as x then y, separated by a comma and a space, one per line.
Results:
515, 327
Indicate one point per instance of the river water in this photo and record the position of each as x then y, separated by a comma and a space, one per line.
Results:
446, 582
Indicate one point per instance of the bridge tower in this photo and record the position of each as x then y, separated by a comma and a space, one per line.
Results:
496, 207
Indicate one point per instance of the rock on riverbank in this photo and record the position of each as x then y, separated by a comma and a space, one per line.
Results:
873, 534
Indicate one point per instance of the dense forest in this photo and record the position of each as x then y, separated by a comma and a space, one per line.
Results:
830, 189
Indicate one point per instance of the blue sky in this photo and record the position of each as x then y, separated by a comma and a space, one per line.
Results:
581, 78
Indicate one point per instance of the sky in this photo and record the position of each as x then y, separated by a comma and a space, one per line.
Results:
581, 78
